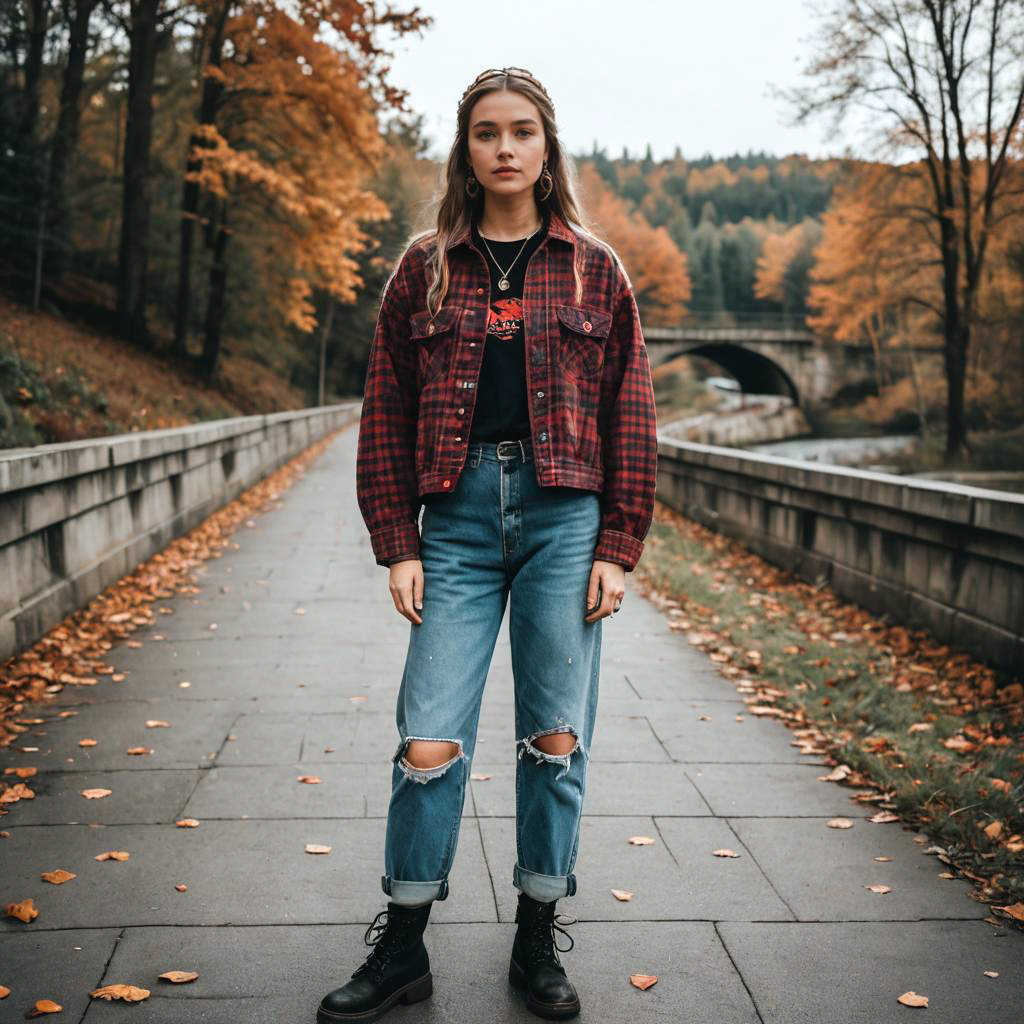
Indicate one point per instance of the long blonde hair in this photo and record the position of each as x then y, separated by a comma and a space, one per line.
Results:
457, 210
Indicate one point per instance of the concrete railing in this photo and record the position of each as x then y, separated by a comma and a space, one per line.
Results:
76, 517
945, 556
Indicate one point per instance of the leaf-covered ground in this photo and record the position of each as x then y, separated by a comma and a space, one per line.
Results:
74, 652
62, 381
922, 730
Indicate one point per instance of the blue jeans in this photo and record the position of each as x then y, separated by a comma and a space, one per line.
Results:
498, 535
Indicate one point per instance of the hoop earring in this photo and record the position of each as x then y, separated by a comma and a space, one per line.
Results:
547, 185
471, 180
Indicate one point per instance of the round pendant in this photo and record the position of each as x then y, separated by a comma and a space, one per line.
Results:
503, 284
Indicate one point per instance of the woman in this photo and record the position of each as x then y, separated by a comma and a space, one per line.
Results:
508, 392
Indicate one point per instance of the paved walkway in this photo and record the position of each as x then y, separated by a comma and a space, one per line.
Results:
785, 933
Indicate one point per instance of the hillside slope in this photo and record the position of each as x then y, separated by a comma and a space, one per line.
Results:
62, 381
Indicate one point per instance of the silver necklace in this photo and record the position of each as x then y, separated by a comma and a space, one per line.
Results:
503, 283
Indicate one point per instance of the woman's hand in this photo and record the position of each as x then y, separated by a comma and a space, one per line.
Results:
610, 579
405, 581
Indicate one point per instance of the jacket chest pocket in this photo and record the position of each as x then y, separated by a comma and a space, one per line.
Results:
582, 333
434, 338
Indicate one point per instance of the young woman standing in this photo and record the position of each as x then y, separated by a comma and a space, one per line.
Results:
509, 393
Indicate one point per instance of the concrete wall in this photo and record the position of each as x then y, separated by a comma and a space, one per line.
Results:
76, 517
941, 555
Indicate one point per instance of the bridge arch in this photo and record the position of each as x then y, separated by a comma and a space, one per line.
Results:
755, 373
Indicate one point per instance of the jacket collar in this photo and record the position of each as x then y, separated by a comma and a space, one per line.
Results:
557, 228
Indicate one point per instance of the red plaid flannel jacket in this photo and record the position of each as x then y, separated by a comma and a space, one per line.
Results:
591, 402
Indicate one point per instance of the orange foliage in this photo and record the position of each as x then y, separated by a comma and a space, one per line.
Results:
296, 137
778, 252
657, 269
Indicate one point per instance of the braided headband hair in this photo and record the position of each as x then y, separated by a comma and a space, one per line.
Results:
499, 72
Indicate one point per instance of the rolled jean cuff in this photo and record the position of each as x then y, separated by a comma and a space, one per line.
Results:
543, 888
414, 894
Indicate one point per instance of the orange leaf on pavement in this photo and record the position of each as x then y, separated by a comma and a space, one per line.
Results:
911, 998
57, 877
129, 993
23, 911
642, 980
179, 976
44, 1006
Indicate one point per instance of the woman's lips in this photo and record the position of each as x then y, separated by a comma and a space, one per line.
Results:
503, 171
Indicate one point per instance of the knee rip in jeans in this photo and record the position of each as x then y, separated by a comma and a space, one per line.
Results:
426, 774
527, 744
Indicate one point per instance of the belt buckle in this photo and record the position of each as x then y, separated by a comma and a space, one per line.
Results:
508, 454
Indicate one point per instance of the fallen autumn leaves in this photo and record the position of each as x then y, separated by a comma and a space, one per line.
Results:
72, 654
933, 737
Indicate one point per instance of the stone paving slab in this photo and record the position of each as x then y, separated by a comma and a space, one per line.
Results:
237, 872
613, 788
707, 731
697, 682
822, 872
773, 790
199, 730
271, 927
63, 966
277, 975
272, 791
137, 796
681, 881
853, 972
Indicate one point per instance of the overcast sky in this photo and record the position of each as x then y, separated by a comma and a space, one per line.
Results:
692, 73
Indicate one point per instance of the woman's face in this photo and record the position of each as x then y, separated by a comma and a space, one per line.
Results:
505, 130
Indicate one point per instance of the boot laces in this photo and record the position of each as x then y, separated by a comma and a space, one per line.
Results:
544, 946
386, 940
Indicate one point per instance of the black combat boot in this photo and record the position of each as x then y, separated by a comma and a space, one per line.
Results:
398, 969
535, 969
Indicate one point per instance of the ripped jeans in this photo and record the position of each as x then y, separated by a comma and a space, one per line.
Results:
498, 538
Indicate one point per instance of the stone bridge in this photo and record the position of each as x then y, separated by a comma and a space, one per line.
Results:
776, 359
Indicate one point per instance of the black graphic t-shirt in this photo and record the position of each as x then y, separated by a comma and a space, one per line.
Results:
501, 412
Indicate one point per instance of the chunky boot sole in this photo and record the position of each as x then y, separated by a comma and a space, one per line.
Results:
550, 1011
416, 990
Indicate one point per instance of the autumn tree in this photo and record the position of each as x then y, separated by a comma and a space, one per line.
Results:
876, 278
943, 81
287, 131
656, 267
785, 263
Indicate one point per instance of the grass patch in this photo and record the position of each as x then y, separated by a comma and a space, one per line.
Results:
938, 735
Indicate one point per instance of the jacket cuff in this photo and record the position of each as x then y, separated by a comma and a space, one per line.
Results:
622, 548
391, 541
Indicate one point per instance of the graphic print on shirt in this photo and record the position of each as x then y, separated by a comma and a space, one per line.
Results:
504, 319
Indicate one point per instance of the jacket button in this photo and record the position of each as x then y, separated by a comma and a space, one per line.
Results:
447, 483
479, 291
430, 329
587, 325
540, 394
462, 409
458, 438
542, 436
